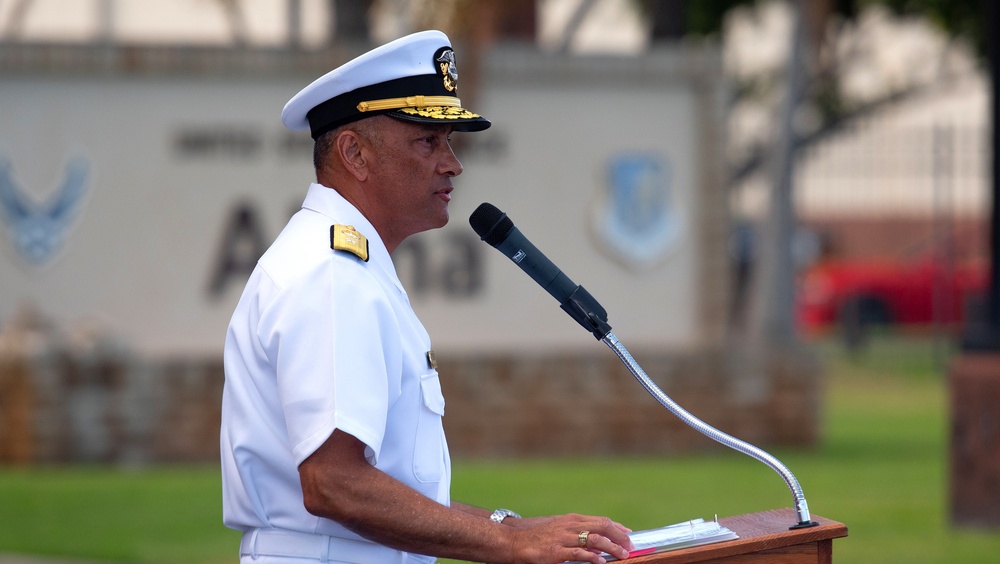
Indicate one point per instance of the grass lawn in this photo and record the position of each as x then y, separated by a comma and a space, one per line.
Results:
881, 469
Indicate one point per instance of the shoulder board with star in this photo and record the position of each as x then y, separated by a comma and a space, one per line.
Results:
346, 238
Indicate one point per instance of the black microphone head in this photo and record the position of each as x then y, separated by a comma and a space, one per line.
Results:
491, 224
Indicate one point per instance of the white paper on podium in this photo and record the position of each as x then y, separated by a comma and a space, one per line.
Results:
695, 532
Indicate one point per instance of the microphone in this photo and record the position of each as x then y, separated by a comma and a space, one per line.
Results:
497, 230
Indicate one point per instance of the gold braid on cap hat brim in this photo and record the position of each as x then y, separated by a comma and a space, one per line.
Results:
408, 102
440, 113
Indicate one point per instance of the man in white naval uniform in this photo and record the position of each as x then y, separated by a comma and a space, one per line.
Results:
332, 442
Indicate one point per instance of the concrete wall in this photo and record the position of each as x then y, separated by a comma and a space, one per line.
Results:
183, 174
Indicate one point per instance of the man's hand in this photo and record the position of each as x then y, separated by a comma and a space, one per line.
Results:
558, 539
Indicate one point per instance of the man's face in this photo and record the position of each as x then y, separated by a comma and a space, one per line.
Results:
412, 170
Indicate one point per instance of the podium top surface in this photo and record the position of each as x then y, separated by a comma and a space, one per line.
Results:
761, 531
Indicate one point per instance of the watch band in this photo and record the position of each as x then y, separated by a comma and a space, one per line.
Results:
500, 514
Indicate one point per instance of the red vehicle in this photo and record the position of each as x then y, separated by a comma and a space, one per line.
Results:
856, 294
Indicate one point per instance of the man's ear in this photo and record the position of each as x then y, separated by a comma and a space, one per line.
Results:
349, 149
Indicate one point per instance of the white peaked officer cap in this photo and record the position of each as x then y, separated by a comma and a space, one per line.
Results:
413, 78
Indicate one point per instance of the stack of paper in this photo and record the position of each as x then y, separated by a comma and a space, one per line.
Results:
672, 537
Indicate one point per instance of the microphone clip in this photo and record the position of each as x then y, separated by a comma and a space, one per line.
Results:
586, 310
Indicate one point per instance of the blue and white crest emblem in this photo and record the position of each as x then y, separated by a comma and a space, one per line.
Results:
40, 230
637, 219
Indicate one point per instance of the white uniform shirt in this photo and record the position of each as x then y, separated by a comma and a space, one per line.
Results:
322, 340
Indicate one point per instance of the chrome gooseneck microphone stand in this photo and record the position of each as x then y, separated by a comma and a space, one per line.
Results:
801, 507
582, 307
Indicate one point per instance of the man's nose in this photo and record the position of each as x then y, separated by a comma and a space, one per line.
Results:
450, 165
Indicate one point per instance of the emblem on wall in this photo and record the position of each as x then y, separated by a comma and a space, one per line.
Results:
637, 219
39, 230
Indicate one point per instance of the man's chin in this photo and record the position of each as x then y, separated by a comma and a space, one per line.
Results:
443, 219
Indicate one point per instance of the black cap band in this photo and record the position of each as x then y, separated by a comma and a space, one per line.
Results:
343, 109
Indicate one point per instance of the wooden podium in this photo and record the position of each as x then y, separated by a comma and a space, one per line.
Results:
764, 538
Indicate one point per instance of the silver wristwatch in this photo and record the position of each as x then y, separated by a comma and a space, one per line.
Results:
500, 514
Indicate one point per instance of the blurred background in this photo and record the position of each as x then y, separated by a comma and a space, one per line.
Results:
786, 207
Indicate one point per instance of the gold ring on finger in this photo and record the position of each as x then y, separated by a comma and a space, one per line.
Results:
582, 538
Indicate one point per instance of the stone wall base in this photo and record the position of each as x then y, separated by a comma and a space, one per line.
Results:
579, 405
60, 404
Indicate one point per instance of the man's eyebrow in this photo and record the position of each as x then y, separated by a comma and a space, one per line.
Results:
435, 128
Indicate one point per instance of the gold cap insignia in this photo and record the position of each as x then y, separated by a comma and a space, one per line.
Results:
347, 238
449, 70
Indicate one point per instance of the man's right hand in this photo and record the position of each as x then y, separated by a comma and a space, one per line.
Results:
558, 539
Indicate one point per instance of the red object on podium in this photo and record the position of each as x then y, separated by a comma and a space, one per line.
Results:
765, 537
